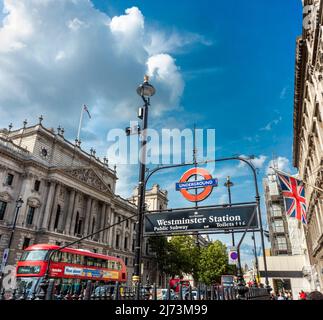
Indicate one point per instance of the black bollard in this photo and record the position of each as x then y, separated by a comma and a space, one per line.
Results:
180, 296
88, 289
50, 290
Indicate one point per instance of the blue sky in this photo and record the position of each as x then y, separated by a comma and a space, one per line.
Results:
230, 66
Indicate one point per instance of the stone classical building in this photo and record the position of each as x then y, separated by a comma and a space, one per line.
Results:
67, 193
308, 128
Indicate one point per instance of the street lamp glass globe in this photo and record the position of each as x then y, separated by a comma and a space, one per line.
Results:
146, 89
19, 202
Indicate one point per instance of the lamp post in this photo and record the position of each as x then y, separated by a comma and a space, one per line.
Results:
256, 259
19, 204
230, 184
145, 90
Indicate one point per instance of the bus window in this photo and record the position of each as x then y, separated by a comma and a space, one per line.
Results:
57, 256
90, 261
105, 264
112, 264
35, 255
97, 262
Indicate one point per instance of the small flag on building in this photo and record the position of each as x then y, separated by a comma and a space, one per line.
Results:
294, 196
85, 108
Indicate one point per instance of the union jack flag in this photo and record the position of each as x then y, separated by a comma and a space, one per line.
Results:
294, 197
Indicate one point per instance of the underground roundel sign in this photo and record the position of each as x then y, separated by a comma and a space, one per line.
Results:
185, 184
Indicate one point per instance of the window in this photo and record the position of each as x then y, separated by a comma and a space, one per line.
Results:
278, 226
276, 210
35, 255
93, 224
89, 261
37, 185
126, 243
58, 243
147, 247
9, 179
79, 227
76, 222
133, 245
58, 212
117, 241
30, 216
126, 261
134, 226
127, 223
119, 219
281, 243
26, 243
3, 207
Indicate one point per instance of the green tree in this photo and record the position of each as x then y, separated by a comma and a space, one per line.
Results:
183, 255
213, 262
177, 256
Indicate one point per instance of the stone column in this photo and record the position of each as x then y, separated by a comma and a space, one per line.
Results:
102, 218
107, 222
111, 233
87, 216
74, 214
25, 192
54, 208
49, 204
70, 212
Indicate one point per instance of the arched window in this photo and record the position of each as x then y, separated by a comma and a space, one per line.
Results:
79, 227
30, 216
93, 224
58, 213
76, 222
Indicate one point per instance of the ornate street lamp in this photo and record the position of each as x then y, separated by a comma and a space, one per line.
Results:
19, 204
145, 90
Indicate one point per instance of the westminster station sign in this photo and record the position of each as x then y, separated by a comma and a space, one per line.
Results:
201, 219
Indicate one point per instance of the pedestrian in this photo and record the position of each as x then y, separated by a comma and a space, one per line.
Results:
302, 295
289, 296
315, 295
281, 297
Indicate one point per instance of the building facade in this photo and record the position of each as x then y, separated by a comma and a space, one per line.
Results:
287, 259
308, 128
67, 193
276, 219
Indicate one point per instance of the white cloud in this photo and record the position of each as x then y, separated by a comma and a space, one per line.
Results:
57, 55
283, 92
269, 125
280, 163
161, 42
258, 162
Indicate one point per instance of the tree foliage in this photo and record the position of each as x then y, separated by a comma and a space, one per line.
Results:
213, 262
180, 255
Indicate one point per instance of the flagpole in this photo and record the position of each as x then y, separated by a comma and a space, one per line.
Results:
287, 174
80, 124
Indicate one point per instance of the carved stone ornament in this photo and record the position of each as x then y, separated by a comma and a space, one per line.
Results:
5, 196
33, 202
89, 177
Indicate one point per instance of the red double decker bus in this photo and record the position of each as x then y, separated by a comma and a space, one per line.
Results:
71, 268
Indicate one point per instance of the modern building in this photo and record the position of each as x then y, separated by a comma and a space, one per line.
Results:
67, 193
308, 129
276, 219
287, 259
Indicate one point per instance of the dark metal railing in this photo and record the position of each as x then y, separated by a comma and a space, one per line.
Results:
96, 291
